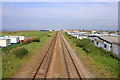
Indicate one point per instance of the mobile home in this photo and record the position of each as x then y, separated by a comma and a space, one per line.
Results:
4, 42
21, 38
13, 39
81, 36
108, 43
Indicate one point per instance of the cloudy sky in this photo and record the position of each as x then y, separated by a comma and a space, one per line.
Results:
59, 15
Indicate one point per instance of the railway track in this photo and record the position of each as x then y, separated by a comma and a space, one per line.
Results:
44, 65
71, 67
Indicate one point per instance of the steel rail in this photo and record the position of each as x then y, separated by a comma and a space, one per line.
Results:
53, 41
65, 58
71, 58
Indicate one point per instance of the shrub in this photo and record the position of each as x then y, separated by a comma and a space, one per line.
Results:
20, 52
69, 36
31, 39
90, 48
80, 44
48, 35
83, 42
86, 50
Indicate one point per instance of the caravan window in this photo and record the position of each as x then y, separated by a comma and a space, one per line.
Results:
93, 41
105, 45
97, 43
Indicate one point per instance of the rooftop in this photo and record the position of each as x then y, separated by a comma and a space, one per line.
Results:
111, 39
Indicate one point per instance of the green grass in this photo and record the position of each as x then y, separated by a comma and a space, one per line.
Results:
11, 63
101, 62
7, 49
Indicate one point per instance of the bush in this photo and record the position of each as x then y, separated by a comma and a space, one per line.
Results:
90, 48
31, 39
69, 36
48, 35
20, 52
80, 44
83, 42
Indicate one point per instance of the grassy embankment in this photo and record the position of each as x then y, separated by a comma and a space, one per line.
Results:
99, 61
13, 60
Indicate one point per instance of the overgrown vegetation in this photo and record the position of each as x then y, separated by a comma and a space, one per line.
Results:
15, 56
103, 59
31, 39
48, 35
8, 48
20, 52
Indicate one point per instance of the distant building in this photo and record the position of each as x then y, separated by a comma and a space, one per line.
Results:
94, 31
44, 30
71, 33
81, 36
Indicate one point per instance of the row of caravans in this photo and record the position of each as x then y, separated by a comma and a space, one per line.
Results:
8, 40
109, 43
78, 35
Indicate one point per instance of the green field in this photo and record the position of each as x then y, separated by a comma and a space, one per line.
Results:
100, 62
11, 63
